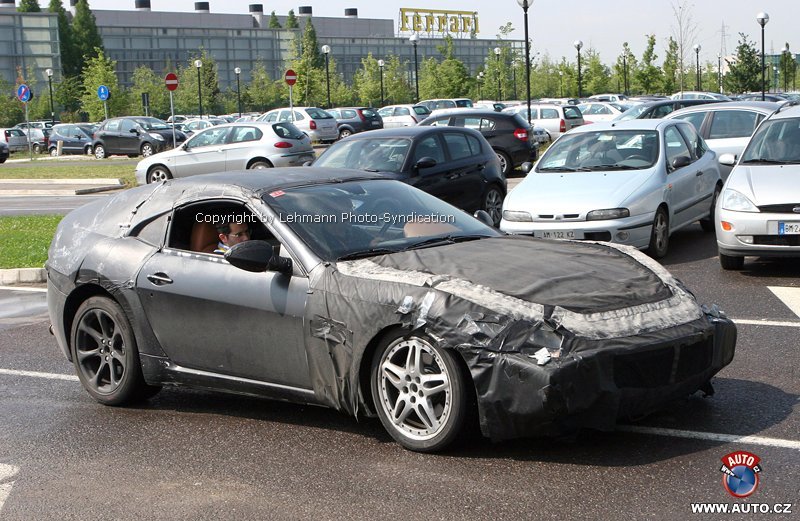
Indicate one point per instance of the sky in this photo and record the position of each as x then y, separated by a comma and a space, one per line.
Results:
554, 25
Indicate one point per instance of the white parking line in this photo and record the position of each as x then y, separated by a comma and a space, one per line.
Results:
765, 323
6, 471
712, 436
789, 296
51, 376
24, 288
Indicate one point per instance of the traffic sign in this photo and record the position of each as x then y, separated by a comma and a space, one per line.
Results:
103, 93
290, 77
24, 93
171, 81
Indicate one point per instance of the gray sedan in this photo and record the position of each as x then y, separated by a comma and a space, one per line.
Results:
633, 182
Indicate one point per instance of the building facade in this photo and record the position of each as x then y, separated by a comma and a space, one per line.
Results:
28, 42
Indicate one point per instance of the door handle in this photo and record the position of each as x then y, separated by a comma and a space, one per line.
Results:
698, 174
159, 279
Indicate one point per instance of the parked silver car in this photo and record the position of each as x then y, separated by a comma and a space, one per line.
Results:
317, 123
758, 212
15, 138
555, 119
632, 182
403, 115
726, 127
235, 146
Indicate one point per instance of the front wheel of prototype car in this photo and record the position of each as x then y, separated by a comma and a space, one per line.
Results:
100, 152
659, 236
158, 174
729, 262
708, 224
505, 162
147, 150
493, 204
418, 392
105, 355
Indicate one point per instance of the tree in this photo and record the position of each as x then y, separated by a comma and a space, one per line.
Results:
744, 73
29, 6
145, 80
85, 34
670, 66
685, 34
397, 85
186, 98
262, 93
648, 75
597, 76
273, 21
787, 67
291, 20
367, 82
67, 94
69, 63
623, 68
11, 110
309, 66
99, 70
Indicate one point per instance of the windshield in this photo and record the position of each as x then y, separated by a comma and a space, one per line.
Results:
775, 141
364, 218
607, 150
152, 124
374, 155
421, 110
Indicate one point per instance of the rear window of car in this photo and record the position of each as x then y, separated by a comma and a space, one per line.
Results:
318, 114
243, 134
463, 103
386, 112
571, 112
550, 114
287, 130
419, 109
402, 111
369, 113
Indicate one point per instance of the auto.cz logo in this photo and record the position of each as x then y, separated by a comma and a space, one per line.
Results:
741, 471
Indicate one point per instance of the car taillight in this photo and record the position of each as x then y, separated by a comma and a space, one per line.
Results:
361, 115
312, 125
563, 126
521, 134
283, 144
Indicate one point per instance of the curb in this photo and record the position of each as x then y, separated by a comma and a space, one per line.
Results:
98, 181
22, 276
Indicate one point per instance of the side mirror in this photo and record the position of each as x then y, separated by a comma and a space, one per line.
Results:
425, 162
484, 217
134, 131
186, 146
526, 167
727, 159
680, 162
257, 257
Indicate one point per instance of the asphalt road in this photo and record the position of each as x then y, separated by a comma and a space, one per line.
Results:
194, 455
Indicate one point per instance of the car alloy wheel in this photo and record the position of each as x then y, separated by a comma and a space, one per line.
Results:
659, 236
105, 355
505, 162
259, 165
100, 152
709, 224
344, 133
158, 174
493, 204
418, 392
147, 150
37, 148
53, 152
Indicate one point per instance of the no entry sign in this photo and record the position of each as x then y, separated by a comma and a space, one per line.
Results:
290, 77
171, 81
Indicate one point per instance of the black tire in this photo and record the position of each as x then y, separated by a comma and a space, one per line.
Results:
105, 355
259, 165
147, 149
158, 174
99, 151
493, 204
659, 235
729, 262
37, 148
53, 152
3, 160
345, 132
709, 224
87, 150
429, 388
505, 162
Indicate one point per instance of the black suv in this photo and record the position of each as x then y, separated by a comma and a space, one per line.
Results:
508, 134
133, 136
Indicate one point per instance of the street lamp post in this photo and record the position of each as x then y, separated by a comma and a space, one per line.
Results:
625, 71
238, 71
480, 82
198, 64
762, 19
326, 50
719, 73
578, 45
381, 64
697, 65
785, 63
49, 73
525, 4
775, 77
414, 39
514, 76
497, 52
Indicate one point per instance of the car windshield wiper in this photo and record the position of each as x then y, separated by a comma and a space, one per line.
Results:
616, 167
564, 169
767, 161
447, 239
360, 254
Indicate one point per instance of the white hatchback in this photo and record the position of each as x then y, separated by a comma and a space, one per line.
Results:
318, 124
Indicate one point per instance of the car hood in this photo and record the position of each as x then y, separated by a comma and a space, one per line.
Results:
766, 184
575, 192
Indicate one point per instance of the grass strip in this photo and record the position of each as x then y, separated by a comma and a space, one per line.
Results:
24, 240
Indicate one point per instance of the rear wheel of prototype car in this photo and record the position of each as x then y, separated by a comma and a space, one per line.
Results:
37, 148
729, 262
147, 150
505, 162
345, 133
105, 355
418, 392
259, 165
493, 204
659, 236
708, 225
158, 174
100, 152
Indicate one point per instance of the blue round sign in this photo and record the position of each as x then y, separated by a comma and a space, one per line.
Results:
103, 93
24, 93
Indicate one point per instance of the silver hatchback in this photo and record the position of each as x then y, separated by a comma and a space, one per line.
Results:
317, 123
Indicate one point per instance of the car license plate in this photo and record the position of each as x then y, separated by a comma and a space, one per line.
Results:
788, 228
555, 235
375, 123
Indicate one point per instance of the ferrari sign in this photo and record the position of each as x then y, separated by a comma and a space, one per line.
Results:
436, 22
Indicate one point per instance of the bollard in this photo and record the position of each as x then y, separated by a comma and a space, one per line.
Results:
59, 145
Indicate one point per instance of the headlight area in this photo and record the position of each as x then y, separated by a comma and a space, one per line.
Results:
157, 137
737, 202
611, 213
517, 216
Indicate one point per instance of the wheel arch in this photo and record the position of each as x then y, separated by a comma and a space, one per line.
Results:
154, 166
258, 159
77, 297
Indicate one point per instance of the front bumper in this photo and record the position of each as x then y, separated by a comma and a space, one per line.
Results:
631, 231
756, 234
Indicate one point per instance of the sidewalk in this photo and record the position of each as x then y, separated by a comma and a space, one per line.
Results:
24, 187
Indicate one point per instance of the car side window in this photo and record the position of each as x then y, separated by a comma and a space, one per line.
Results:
457, 145
112, 126
475, 145
194, 227
210, 137
732, 124
127, 125
243, 134
285, 116
473, 123
661, 111
429, 147
695, 118
549, 114
675, 146
298, 116
487, 124
151, 232
385, 112
349, 114
402, 111
695, 141
272, 117
440, 122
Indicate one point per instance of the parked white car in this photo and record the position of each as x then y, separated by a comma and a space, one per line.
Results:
15, 138
317, 123
234, 146
555, 119
601, 111
403, 115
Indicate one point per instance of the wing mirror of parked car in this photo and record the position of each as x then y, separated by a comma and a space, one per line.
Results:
257, 257
526, 167
727, 159
484, 217
425, 162
134, 131
680, 162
